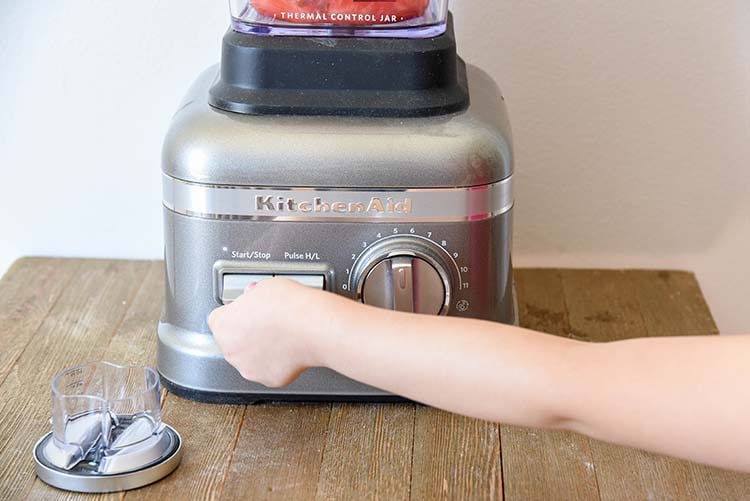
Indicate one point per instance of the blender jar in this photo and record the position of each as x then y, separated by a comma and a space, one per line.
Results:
361, 18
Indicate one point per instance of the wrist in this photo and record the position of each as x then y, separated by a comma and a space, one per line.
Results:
320, 328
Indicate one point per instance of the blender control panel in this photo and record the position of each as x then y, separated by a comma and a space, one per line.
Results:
406, 271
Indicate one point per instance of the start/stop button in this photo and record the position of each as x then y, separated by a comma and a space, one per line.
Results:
234, 285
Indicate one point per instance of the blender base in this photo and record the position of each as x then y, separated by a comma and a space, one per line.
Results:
210, 397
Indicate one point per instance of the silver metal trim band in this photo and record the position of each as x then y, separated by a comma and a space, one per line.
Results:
475, 203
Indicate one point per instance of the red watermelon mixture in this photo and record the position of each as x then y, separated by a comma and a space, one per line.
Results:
341, 12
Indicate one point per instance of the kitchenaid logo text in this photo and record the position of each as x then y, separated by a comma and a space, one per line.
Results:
376, 205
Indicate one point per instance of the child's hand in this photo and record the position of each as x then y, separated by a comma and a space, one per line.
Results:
268, 333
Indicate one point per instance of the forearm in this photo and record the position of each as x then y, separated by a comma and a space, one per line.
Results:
686, 397
481, 369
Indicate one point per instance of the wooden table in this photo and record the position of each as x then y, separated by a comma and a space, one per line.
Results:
55, 313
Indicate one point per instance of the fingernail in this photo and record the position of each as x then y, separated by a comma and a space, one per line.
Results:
250, 286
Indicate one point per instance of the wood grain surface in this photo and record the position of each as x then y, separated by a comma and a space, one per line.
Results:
56, 313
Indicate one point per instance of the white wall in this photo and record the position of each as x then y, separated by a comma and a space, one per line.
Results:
631, 120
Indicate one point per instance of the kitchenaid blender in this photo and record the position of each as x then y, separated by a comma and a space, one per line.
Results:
345, 145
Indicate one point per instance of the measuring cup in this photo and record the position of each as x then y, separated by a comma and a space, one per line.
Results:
100, 408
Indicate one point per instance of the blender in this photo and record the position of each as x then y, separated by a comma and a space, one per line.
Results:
345, 145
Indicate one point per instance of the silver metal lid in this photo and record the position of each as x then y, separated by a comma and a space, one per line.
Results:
132, 467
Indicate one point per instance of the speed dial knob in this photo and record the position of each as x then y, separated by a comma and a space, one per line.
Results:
405, 283
404, 273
